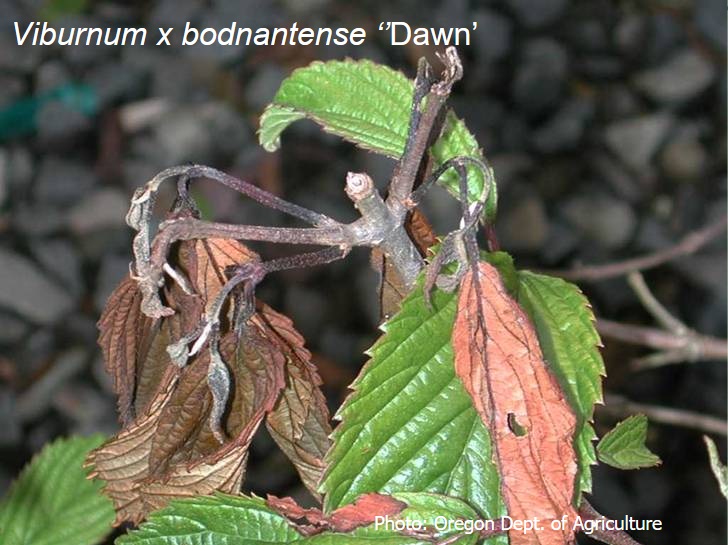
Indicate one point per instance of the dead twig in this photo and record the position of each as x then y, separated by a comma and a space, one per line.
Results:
621, 406
688, 245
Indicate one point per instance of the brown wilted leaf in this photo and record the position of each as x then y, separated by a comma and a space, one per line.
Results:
169, 450
299, 423
121, 330
499, 360
207, 261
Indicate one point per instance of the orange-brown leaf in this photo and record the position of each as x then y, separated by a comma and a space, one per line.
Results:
207, 261
362, 512
299, 423
499, 360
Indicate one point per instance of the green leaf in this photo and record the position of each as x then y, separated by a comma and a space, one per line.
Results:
565, 327
624, 446
52, 501
409, 425
239, 520
208, 520
369, 105
719, 469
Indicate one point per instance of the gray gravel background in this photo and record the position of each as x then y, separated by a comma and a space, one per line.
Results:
605, 122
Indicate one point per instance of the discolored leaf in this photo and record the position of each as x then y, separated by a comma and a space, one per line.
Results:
240, 520
300, 422
624, 446
499, 360
170, 449
207, 261
408, 424
121, 330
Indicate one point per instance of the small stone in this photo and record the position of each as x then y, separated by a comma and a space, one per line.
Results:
709, 19
635, 141
525, 227
62, 182
20, 168
51, 74
682, 78
113, 269
564, 130
25, 290
57, 121
684, 159
10, 432
602, 218
494, 42
259, 91
60, 259
116, 82
102, 209
540, 77
630, 35
537, 13
37, 219
209, 133
12, 329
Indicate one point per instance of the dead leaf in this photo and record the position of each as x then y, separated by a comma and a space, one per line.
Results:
121, 329
348, 518
499, 360
299, 423
169, 449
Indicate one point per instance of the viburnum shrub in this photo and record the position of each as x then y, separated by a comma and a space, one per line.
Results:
476, 403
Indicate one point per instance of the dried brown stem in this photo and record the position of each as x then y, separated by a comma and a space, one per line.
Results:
619, 405
610, 537
688, 245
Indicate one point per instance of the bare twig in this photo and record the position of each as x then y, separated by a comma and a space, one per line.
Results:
689, 347
620, 405
653, 306
610, 537
689, 244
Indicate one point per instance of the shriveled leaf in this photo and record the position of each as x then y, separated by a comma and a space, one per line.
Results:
239, 520
624, 446
367, 104
299, 423
498, 359
207, 262
409, 426
121, 330
170, 449
570, 343
719, 468
53, 502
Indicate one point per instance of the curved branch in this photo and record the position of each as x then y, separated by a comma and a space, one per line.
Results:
688, 245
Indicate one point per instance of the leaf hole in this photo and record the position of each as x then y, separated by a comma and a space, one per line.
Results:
515, 427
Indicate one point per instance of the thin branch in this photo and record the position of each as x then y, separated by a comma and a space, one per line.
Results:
620, 405
610, 537
688, 245
418, 140
653, 306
